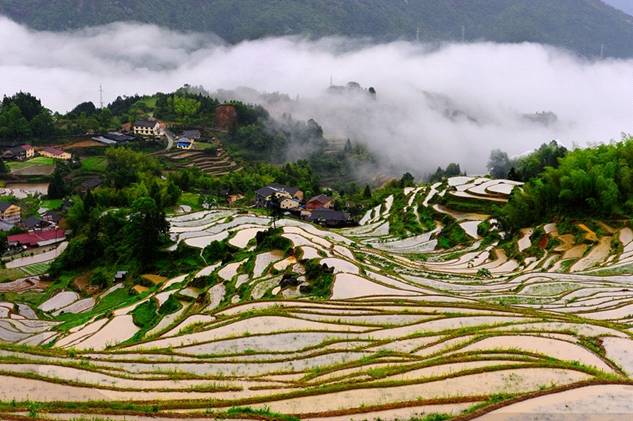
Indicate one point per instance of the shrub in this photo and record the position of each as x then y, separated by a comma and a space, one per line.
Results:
170, 306
272, 239
145, 315
218, 251
101, 278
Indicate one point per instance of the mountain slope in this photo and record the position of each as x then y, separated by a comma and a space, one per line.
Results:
580, 25
625, 5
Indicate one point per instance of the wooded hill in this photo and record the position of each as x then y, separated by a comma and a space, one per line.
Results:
580, 25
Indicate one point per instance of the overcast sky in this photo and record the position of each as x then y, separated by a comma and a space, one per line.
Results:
487, 87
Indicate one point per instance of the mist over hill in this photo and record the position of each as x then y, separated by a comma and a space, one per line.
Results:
580, 25
624, 5
457, 100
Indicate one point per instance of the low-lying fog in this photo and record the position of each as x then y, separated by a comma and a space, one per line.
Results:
434, 105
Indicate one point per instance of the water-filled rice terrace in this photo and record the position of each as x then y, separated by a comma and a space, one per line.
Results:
406, 330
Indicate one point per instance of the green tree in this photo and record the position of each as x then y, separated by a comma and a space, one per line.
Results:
146, 229
57, 188
407, 180
499, 164
186, 107
367, 192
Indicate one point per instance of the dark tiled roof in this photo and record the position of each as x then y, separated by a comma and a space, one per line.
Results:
191, 134
118, 137
91, 183
265, 191
145, 123
16, 150
53, 216
329, 215
31, 222
281, 187
4, 206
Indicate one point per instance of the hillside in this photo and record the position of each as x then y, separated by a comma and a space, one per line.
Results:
580, 25
391, 328
625, 5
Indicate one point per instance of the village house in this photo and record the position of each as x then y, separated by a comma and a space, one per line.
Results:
55, 153
37, 238
10, 213
19, 153
192, 134
147, 128
33, 223
52, 217
330, 218
113, 138
319, 202
264, 195
289, 203
184, 143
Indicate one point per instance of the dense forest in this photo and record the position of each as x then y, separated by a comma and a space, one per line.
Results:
580, 25
589, 182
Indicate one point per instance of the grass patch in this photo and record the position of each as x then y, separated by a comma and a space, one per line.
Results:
52, 204
145, 315
12, 274
190, 199
265, 412
39, 160
94, 164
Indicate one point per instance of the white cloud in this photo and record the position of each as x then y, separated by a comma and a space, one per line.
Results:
494, 84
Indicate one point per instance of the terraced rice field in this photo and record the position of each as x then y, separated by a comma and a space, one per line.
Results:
219, 164
397, 337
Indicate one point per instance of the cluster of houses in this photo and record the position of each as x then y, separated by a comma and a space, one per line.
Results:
131, 132
38, 231
24, 152
318, 209
147, 129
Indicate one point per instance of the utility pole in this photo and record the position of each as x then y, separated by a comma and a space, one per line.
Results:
100, 96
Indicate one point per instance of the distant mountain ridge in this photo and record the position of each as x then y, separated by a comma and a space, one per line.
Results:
624, 5
580, 25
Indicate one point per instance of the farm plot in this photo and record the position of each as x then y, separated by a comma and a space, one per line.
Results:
389, 335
